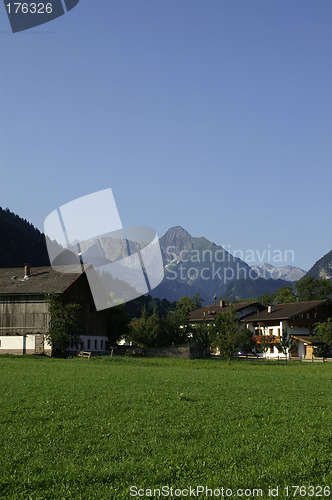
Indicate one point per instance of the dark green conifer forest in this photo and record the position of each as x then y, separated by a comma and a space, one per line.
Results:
20, 242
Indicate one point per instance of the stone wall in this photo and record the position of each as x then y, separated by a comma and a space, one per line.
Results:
184, 352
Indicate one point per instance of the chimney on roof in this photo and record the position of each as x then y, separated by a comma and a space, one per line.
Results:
214, 299
270, 308
222, 303
26, 270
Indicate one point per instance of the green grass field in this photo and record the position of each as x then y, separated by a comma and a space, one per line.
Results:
92, 428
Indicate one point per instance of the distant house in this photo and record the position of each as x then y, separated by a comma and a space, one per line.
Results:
209, 313
24, 311
298, 318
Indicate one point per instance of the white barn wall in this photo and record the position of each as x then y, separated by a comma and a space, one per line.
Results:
11, 344
20, 344
90, 341
17, 344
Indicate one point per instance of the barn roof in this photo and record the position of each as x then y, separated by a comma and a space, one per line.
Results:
41, 280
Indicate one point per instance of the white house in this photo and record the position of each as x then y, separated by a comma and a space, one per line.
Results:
298, 318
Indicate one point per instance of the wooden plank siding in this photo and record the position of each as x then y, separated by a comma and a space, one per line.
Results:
92, 322
23, 314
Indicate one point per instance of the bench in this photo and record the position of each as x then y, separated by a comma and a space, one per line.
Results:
84, 354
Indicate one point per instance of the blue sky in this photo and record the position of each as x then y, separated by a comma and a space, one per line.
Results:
215, 115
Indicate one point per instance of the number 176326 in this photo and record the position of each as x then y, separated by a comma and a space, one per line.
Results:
310, 491
29, 8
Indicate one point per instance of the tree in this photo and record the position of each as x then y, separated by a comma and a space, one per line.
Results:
156, 329
310, 288
139, 331
200, 335
197, 301
306, 289
323, 332
227, 337
150, 331
177, 320
134, 307
163, 306
177, 326
284, 295
63, 330
265, 299
247, 340
117, 324
285, 344
187, 304
324, 289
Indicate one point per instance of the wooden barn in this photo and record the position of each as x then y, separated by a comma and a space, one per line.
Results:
24, 310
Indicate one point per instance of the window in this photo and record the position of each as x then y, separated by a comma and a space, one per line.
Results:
271, 331
101, 344
271, 350
279, 332
89, 344
96, 344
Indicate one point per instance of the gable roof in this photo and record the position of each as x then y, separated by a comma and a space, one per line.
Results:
286, 311
211, 312
42, 280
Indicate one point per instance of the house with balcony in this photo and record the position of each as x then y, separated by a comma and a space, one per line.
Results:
298, 318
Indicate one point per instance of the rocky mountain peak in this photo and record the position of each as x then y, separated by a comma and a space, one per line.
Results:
177, 239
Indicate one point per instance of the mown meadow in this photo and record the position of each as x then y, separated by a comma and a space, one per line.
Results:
86, 429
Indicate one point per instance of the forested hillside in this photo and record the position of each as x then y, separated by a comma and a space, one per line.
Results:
20, 242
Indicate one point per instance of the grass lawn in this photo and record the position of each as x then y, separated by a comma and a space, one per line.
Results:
92, 428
